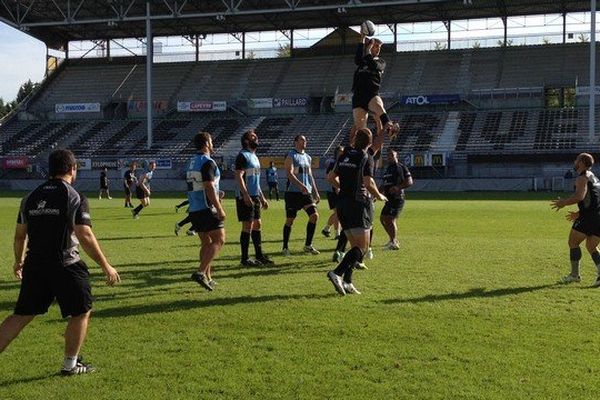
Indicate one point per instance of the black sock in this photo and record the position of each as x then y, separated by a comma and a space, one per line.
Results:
348, 275
310, 232
137, 210
277, 195
184, 221
352, 256
244, 244
183, 203
370, 237
257, 241
342, 241
287, 230
384, 119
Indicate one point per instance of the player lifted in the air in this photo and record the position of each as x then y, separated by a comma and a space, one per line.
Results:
366, 83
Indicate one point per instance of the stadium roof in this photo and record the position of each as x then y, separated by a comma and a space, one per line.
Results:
57, 21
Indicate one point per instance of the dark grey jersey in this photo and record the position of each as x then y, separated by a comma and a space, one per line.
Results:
50, 213
590, 205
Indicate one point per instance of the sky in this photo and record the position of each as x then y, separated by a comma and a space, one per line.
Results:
22, 57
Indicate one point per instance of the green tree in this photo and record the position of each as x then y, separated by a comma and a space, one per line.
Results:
439, 46
476, 45
284, 51
582, 38
25, 90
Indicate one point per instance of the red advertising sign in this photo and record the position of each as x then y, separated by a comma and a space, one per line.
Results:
15, 162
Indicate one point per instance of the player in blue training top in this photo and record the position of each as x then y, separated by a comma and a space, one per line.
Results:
250, 199
273, 181
301, 193
206, 210
142, 190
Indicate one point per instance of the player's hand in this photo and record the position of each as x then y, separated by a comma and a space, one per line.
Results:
382, 198
112, 276
18, 270
317, 198
221, 214
557, 204
304, 190
264, 204
221, 195
147, 192
572, 216
247, 200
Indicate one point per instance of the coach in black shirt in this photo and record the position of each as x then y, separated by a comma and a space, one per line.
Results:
53, 220
353, 176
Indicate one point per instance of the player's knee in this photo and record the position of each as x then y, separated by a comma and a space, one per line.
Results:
591, 248
256, 225
289, 222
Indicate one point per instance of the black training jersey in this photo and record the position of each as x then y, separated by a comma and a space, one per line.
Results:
395, 174
368, 73
50, 212
328, 169
351, 167
590, 205
129, 177
103, 179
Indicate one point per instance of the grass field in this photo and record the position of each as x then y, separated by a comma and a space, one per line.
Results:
468, 309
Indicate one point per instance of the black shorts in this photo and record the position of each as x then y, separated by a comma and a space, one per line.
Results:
272, 185
590, 226
392, 208
248, 213
205, 221
332, 200
127, 190
139, 193
41, 284
296, 201
361, 100
355, 214
104, 187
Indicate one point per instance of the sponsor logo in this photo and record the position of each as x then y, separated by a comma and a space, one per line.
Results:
41, 204
417, 100
42, 210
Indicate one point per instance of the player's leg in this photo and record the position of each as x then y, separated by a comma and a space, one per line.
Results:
311, 227
257, 241
287, 231
591, 244
75, 334
11, 327
245, 241
378, 109
575, 239
216, 240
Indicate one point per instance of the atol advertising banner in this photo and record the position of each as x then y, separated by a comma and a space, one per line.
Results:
428, 100
265, 102
201, 106
290, 102
15, 162
76, 108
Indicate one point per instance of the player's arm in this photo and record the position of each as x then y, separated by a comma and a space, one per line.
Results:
289, 170
407, 181
369, 182
314, 185
143, 184
90, 245
579, 195
333, 179
208, 182
19, 246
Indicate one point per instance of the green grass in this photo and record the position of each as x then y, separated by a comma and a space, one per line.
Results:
469, 308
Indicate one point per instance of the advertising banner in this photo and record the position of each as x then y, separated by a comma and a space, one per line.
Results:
76, 108
84, 164
100, 164
426, 100
290, 102
201, 106
265, 102
15, 162
164, 163
139, 106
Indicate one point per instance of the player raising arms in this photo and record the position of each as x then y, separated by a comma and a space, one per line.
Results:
586, 221
365, 87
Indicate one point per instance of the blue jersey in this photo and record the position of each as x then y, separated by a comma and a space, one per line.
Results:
202, 169
248, 162
301, 168
272, 175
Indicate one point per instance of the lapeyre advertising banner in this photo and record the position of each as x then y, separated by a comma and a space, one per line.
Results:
428, 100
76, 108
201, 106
15, 162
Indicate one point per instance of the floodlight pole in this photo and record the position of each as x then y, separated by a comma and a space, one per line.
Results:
592, 121
149, 60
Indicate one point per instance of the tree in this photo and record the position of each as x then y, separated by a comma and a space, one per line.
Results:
251, 55
284, 51
476, 45
439, 46
582, 38
25, 90
501, 43
545, 40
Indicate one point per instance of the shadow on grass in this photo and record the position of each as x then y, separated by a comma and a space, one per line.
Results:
183, 305
104, 239
472, 293
18, 381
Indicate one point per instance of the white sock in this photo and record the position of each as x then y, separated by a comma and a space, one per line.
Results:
70, 362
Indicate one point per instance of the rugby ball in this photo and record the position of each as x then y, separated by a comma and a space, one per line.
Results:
367, 28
